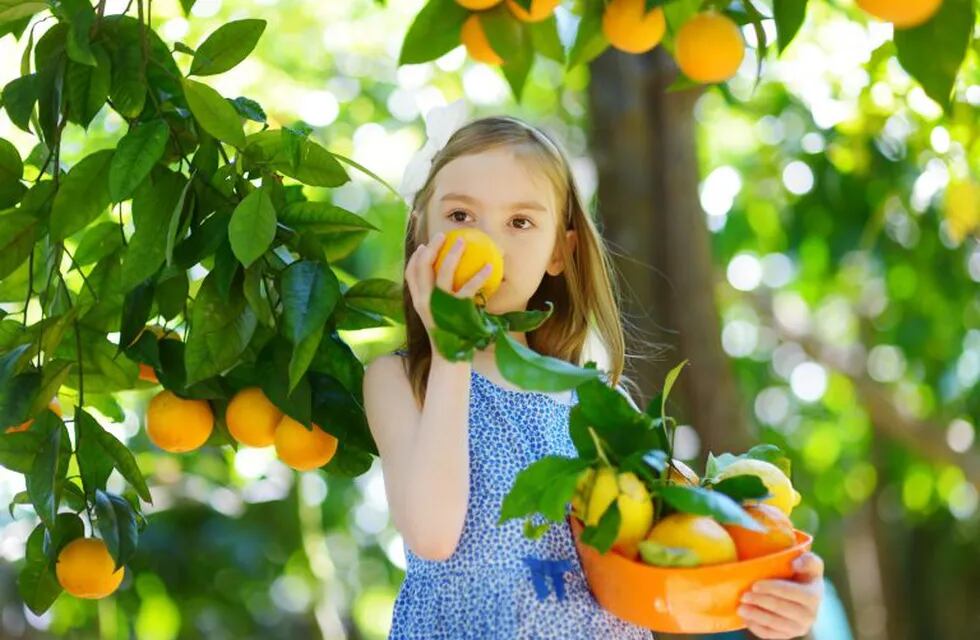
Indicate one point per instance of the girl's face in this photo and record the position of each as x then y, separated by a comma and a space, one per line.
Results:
498, 193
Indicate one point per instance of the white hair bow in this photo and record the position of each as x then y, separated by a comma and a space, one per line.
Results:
440, 124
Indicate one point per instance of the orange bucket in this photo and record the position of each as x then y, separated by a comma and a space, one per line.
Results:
679, 599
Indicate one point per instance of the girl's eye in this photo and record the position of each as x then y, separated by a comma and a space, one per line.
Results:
452, 215
527, 220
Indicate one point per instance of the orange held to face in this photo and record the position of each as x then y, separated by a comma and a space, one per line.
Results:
474, 38
779, 533
629, 28
901, 13
301, 448
709, 47
252, 418
54, 405
85, 569
479, 250
177, 424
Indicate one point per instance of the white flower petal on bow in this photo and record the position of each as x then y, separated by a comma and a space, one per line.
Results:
440, 124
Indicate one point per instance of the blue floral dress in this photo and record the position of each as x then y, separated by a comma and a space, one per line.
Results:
497, 583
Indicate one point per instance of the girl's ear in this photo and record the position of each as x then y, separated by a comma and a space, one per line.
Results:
557, 264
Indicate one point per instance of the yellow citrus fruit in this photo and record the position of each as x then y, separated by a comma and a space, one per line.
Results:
477, 5
629, 29
476, 43
961, 208
784, 496
177, 424
902, 13
701, 535
146, 371
478, 250
599, 490
85, 569
680, 473
54, 405
301, 448
252, 418
540, 9
778, 535
709, 47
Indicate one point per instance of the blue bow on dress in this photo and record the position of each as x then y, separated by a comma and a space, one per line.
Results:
542, 569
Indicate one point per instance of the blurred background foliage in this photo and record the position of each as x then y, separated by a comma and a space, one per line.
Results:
849, 310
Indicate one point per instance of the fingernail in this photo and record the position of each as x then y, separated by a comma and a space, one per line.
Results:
458, 244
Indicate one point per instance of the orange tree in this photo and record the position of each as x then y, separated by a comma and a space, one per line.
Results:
931, 37
199, 185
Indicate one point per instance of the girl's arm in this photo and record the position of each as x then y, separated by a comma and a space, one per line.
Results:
424, 454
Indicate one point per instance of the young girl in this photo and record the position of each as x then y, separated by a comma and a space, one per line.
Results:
453, 436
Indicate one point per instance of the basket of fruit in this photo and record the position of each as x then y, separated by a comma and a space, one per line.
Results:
660, 546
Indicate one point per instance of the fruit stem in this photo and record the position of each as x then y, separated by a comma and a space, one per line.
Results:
598, 447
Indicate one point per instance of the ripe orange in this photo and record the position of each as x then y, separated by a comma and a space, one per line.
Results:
85, 569
54, 405
146, 371
709, 47
700, 535
476, 43
301, 448
177, 424
540, 9
477, 5
478, 250
629, 29
779, 532
252, 418
901, 13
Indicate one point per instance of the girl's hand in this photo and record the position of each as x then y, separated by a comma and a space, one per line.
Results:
421, 280
785, 608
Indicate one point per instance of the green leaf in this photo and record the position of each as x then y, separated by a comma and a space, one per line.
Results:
459, 316
544, 36
317, 167
46, 469
524, 321
82, 196
228, 45
706, 502
434, 32
18, 232
18, 97
744, 487
377, 295
99, 241
273, 366
603, 534
18, 450
220, 331
122, 458
88, 87
511, 39
789, 16
154, 205
309, 293
934, 51
94, 462
530, 370
546, 487
215, 114
117, 524
323, 217
37, 583
589, 40
303, 354
136, 153
11, 172
67, 527
253, 226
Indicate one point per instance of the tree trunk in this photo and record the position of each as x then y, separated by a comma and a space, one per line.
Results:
643, 142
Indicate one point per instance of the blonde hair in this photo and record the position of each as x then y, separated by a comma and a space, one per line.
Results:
585, 324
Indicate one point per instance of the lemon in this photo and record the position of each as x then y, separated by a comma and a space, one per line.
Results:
784, 496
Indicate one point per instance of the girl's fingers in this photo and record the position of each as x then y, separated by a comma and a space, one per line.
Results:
788, 608
755, 615
473, 285
444, 279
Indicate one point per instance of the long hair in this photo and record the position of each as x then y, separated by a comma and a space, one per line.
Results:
585, 324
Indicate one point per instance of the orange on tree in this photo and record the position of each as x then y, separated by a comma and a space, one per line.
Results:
778, 535
629, 28
85, 569
597, 489
698, 539
178, 424
709, 47
252, 418
474, 38
146, 371
540, 9
478, 5
478, 250
301, 448
901, 13
54, 405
